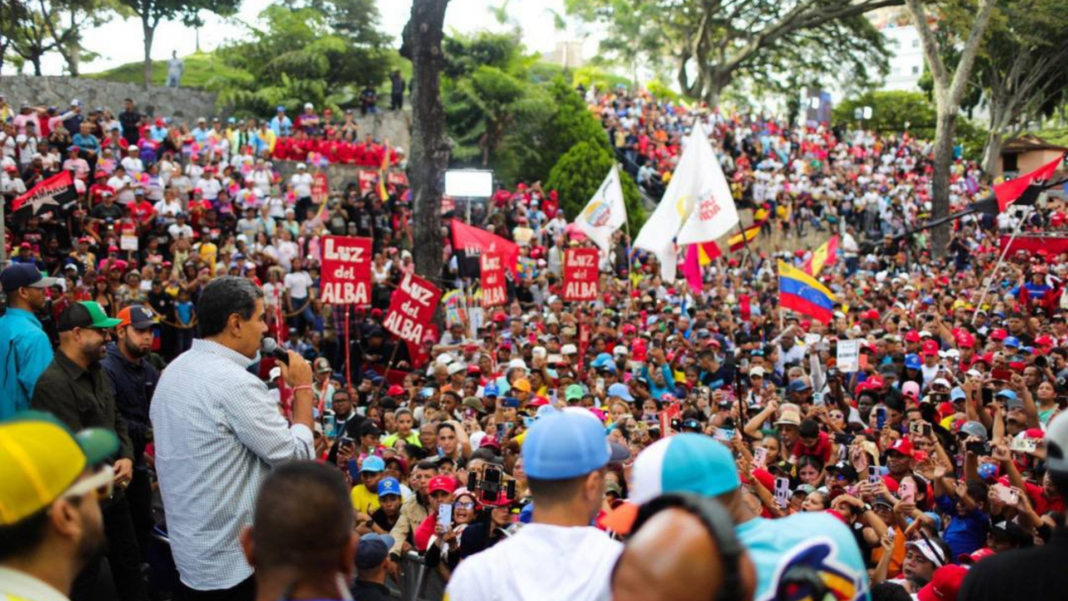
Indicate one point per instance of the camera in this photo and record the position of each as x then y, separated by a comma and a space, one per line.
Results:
489, 486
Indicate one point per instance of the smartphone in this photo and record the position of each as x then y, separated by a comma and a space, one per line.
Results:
354, 470
760, 455
490, 487
873, 474
890, 534
782, 492
1023, 445
880, 418
445, 515
926, 430
978, 447
724, 434
345, 441
500, 432
907, 492
988, 396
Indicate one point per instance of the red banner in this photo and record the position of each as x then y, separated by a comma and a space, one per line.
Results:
346, 273
494, 288
411, 310
397, 178
368, 179
320, 188
1048, 246
580, 274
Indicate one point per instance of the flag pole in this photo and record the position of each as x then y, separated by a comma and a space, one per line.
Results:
997, 266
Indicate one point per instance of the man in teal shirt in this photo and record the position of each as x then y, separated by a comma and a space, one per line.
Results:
25, 351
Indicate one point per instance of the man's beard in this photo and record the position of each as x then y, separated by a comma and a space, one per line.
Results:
136, 351
92, 543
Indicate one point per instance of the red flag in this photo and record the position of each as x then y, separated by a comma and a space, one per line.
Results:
1009, 191
49, 195
473, 241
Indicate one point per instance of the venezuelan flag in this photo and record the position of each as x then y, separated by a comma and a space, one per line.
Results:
826, 254
738, 242
800, 292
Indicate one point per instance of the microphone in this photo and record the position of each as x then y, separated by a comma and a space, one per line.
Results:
271, 348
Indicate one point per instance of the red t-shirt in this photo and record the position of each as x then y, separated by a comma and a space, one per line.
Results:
822, 449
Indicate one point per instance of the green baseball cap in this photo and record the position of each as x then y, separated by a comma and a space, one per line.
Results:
573, 393
85, 314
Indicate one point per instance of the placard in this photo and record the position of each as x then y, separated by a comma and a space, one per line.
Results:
848, 356
411, 310
128, 242
346, 271
580, 274
494, 287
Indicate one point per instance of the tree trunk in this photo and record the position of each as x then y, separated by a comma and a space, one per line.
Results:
36, 60
992, 152
149, 32
943, 160
429, 155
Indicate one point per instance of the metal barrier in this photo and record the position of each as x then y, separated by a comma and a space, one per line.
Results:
418, 582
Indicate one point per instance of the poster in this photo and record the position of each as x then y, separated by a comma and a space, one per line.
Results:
494, 287
848, 356
411, 310
320, 188
346, 270
580, 274
368, 179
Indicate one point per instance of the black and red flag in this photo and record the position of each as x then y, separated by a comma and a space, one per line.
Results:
49, 196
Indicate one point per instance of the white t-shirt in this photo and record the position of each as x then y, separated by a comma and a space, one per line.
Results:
298, 284
539, 563
302, 184
209, 188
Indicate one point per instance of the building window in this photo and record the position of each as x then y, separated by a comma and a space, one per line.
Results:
915, 43
915, 70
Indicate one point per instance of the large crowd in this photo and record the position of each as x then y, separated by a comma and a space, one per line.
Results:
508, 455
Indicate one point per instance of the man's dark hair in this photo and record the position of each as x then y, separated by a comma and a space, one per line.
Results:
554, 492
446, 426
223, 297
23, 536
303, 518
427, 465
809, 428
889, 591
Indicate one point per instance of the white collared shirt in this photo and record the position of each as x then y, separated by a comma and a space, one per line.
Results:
20, 586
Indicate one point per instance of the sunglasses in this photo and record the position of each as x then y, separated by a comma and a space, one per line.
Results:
468, 505
101, 483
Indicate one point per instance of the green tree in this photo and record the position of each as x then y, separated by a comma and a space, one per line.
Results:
153, 12
756, 39
579, 173
570, 123
31, 29
892, 111
950, 84
297, 56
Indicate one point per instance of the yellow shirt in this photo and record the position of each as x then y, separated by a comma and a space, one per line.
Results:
413, 439
364, 500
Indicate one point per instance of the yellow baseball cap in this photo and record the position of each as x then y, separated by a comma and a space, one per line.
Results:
40, 458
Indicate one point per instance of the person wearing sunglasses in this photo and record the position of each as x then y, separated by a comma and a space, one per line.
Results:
51, 485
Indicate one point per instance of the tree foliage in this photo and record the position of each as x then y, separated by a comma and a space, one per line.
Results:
312, 54
892, 112
29, 30
153, 12
756, 39
579, 173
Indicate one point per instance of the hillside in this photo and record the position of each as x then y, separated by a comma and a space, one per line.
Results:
199, 69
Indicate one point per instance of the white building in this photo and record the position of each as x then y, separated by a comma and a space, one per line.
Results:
906, 57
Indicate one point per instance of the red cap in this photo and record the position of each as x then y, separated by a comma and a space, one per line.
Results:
395, 390
944, 585
1044, 340
838, 515
912, 336
100, 174
376, 312
629, 329
975, 556
474, 369
539, 402
871, 314
499, 317
966, 340
903, 446
445, 483
930, 348
999, 334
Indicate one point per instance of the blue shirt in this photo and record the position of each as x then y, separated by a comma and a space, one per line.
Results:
964, 534
816, 540
185, 312
25, 352
281, 127
88, 142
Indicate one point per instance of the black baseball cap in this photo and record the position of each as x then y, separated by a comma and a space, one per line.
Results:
24, 275
85, 314
138, 316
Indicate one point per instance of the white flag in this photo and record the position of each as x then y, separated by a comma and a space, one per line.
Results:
658, 233
605, 213
713, 212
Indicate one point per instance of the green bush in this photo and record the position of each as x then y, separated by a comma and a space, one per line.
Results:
579, 173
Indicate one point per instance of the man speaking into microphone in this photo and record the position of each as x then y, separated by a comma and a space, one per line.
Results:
218, 433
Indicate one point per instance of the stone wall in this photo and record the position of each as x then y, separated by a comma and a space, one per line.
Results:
339, 176
183, 103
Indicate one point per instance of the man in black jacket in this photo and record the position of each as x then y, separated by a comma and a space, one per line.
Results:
133, 380
130, 120
75, 388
